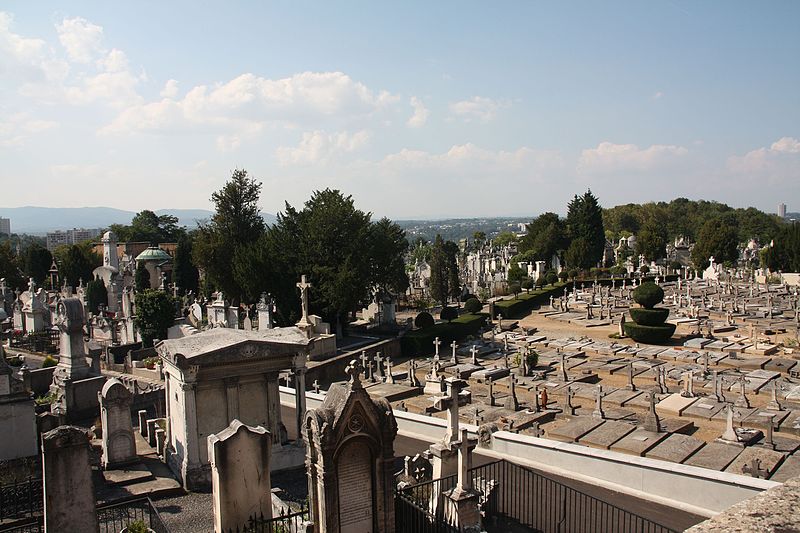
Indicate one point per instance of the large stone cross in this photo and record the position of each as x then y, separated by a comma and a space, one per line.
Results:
436, 343
450, 403
354, 369
465, 446
454, 358
304, 286
474, 353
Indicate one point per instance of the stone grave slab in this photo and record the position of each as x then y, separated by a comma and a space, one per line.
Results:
791, 424
494, 373
770, 460
739, 414
647, 364
560, 342
133, 473
788, 469
638, 442
783, 444
670, 353
521, 420
688, 356
677, 425
759, 419
697, 343
651, 351
717, 345
573, 429
676, 448
763, 349
704, 409
466, 369
739, 347
393, 393
620, 397
779, 364
596, 322
611, 368
714, 358
674, 404
610, 413
639, 401
607, 434
746, 363
714, 456
578, 345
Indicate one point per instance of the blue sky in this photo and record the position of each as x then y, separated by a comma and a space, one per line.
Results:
417, 109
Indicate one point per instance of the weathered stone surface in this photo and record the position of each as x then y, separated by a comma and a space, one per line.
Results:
607, 434
574, 429
676, 448
638, 442
674, 404
714, 456
769, 460
788, 469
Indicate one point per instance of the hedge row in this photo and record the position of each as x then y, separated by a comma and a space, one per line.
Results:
420, 341
649, 334
526, 302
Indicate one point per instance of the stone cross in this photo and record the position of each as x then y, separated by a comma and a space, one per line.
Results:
389, 376
730, 433
511, 403
717, 387
563, 366
315, 386
754, 469
354, 370
436, 343
742, 400
364, 359
536, 398
598, 406
569, 409
706, 357
768, 442
490, 385
304, 286
450, 403
378, 366
688, 384
631, 384
773, 404
454, 357
536, 430
412, 374
651, 420
474, 353
465, 446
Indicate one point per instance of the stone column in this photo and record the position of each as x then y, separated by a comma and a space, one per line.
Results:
300, 398
232, 397
240, 480
273, 407
69, 503
191, 456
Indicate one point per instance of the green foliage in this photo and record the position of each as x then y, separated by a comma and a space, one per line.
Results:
424, 320
473, 305
546, 236
585, 224
649, 334
146, 226
96, 294
186, 276
449, 313
9, 267
77, 262
155, 313
236, 223
649, 317
515, 273
444, 270
527, 284
644, 269
421, 251
651, 241
388, 246
784, 254
716, 238
514, 288
563, 275
137, 526
50, 397
420, 341
551, 277
49, 361
648, 295
505, 238
573, 273
524, 303
36, 263
141, 279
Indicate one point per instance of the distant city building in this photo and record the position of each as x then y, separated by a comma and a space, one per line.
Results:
781, 211
5, 225
70, 236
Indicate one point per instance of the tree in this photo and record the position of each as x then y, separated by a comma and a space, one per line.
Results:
514, 288
36, 261
77, 262
146, 226
155, 313
545, 237
585, 222
578, 254
717, 238
96, 294
784, 252
388, 247
505, 238
473, 305
236, 222
527, 284
141, 279
515, 273
478, 238
551, 277
443, 270
9, 267
449, 313
651, 241
186, 274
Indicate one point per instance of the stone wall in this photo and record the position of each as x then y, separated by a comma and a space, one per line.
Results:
17, 429
332, 370
82, 396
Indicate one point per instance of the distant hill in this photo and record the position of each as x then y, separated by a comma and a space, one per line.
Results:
40, 220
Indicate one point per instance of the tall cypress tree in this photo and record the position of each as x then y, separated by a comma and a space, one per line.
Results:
585, 221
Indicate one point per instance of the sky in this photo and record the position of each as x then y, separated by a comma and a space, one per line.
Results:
417, 109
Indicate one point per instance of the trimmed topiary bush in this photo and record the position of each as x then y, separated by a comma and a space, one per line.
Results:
449, 313
649, 317
473, 305
648, 295
424, 320
649, 334
49, 361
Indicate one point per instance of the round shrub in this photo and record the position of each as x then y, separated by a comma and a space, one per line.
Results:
473, 306
573, 274
551, 278
527, 284
563, 275
49, 361
649, 317
649, 334
514, 288
644, 269
449, 313
424, 320
648, 295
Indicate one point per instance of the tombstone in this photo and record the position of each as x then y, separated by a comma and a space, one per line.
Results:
511, 403
265, 309
378, 367
69, 501
730, 433
454, 357
72, 364
119, 446
490, 385
411, 378
350, 459
240, 479
688, 385
717, 387
742, 400
598, 406
651, 420
568, 408
436, 344
631, 384
467, 516
774, 404
562, 366
389, 369
434, 383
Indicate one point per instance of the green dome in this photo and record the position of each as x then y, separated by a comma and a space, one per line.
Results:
154, 254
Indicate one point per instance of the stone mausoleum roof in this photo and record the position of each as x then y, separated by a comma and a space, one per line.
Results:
153, 253
216, 339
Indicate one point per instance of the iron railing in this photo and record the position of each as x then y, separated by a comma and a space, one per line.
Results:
115, 516
21, 499
287, 522
41, 342
514, 497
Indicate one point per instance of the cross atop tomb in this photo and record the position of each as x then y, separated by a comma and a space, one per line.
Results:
465, 446
354, 370
436, 343
453, 345
474, 353
450, 403
303, 285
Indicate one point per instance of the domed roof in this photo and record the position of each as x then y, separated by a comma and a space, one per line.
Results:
154, 253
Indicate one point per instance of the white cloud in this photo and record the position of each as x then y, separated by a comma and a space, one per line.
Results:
319, 146
81, 39
778, 163
786, 145
420, 115
478, 108
658, 95
170, 89
19, 127
27, 60
610, 157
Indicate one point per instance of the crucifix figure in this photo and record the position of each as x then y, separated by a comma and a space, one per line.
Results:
304, 286
436, 343
474, 353
450, 403
354, 370
454, 357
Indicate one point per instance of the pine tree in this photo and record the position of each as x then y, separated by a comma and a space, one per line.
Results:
585, 221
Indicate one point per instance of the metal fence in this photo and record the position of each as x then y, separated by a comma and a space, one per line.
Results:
287, 522
21, 499
514, 497
42, 342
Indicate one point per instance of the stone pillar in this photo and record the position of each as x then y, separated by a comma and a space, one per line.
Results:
232, 396
273, 406
119, 448
240, 480
300, 398
191, 458
69, 503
